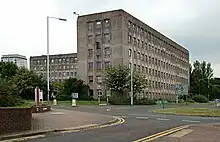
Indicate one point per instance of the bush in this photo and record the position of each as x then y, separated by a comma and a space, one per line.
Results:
190, 100
144, 101
119, 101
200, 99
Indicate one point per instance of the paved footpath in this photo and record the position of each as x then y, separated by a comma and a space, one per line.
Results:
59, 119
195, 133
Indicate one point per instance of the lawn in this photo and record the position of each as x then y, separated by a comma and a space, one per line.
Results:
190, 111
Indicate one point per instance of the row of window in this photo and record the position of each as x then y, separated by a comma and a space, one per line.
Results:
158, 51
60, 74
98, 24
153, 38
107, 53
106, 38
98, 65
154, 72
60, 60
98, 79
157, 62
54, 67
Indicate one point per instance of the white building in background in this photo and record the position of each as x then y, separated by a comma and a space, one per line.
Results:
19, 60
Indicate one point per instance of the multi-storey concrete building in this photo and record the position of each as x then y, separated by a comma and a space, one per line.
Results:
108, 38
19, 60
62, 66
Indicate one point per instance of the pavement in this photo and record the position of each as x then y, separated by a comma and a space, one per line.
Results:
140, 123
61, 120
194, 133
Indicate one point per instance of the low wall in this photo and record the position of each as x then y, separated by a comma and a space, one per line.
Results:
15, 120
40, 109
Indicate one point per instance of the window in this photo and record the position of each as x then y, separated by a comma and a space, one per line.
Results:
67, 59
139, 55
98, 22
52, 61
71, 66
67, 73
129, 38
139, 68
129, 52
90, 39
129, 24
142, 57
90, 26
90, 53
90, 65
71, 73
143, 69
98, 45
64, 73
135, 67
107, 52
142, 44
135, 54
107, 38
90, 79
146, 58
134, 27
59, 73
134, 41
98, 65
64, 67
138, 43
60, 60
99, 79
106, 23
146, 70
107, 64
98, 37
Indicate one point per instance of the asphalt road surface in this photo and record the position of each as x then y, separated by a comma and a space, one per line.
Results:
139, 122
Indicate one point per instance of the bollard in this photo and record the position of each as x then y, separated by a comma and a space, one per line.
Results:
73, 102
54, 102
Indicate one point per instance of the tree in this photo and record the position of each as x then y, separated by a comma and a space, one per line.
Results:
74, 85
201, 77
118, 78
8, 69
56, 88
27, 81
8, 93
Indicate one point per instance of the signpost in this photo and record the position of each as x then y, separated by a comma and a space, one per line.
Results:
108, 94
181, 90
74, 97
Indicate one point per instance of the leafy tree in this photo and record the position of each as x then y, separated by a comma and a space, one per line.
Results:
8, 93
8, 69
74, 85
27, 81
201, 77
118, 78
56, 88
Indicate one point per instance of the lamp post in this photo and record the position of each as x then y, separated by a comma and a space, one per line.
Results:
48, 70
132, 68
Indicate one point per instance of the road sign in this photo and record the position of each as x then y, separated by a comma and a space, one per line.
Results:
74, 95
181, 89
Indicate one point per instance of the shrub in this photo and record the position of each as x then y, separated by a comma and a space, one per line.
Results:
119, 101
200, 99
145, 101
190, 100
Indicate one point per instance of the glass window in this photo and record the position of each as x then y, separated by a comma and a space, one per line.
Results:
107, 64
90, 53
98, 65
90, 79
129, 52
99, 79
90, 65
107, 38
90, 39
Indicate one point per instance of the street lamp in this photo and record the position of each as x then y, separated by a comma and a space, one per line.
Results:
48, 70
132, 68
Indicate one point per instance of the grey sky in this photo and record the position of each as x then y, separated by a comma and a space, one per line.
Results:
192, 23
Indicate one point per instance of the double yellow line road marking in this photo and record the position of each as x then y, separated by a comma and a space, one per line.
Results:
161, 134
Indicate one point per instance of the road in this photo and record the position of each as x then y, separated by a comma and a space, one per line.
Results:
139, 122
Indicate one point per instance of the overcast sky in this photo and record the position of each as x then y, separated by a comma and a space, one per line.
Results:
195, 24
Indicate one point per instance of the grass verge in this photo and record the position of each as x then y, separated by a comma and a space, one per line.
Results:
190, 111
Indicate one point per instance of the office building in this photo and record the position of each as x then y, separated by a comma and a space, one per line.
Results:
19, 60
62, 66
107, 38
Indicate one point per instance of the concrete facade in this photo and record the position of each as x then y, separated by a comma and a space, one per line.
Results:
62, 66
107, 38
19, 60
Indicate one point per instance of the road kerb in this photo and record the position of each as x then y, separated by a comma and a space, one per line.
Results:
115, 121
161, 134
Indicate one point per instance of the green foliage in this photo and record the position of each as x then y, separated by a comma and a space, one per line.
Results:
27, 81
200, 99
8, 95
145, 101
118, 79
119, 101
73, 85
56, 88
7, 69
201, 77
